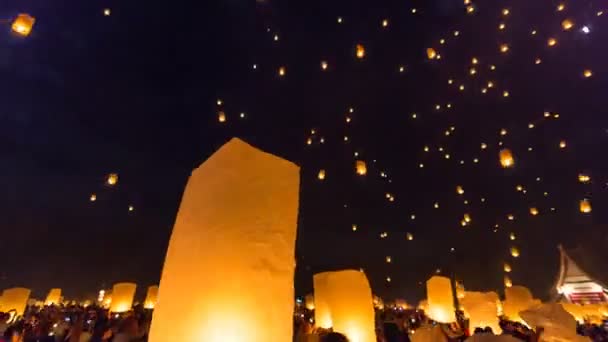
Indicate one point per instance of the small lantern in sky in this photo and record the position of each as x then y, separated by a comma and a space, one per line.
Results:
583, 178
112, 179
514, 252
587, 73
562, 144
221, 117
567, 24
507, 267
533, 211
551, 42
361, 168
107, 12
508, 282
512, 237
431, 53
585, 206
409, 236
151, 297
324, 65
504, 48
459, 190
360, 51
321, 174
282, 71
506, 158
23, 24
93, 198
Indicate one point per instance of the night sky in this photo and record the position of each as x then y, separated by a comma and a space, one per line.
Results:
136, 93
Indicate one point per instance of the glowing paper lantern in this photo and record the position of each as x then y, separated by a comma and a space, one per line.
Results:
481, 310
459, 190
431, 53
360, 51
517, 298
439, 298
585, 206
551, 41
533, 211
567, 24
15, 299
151, 297
322, 294
349, 299
221, 116
506, 158
53, 298
228, 273
112, 179
507, 267
282, 71
587, 73
93, 198
508, 282
558, 324
361, 167
321, 174
584, 178
122, 297
514, 252
23, 24
309, 302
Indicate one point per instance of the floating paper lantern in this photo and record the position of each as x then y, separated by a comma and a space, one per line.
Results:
585, 206
507, 267
122, 297
15, 299
361, 167
309, 302
409, 236
53, 298
506, 158
228, 273
508, 282
322, 294
151, 297
533, 211
431, 53
112, 179
567, 24
562, 144
583, 178
551, 41
587, 73
481, 309
282, 71
23, 24
221, 116
439, 298
349, 300
459, 190
321, 174
360, 51
504, 48
514, 252
93, 198
517, 298
324, 65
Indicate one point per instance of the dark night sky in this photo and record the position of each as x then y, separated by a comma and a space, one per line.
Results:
135, 93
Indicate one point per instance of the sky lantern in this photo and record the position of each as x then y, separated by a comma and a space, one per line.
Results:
562, 144
587, 73
122, 297
23, 24
151, 297
360, 51
506, 267
508, 283
53, 297
504, 48
349, 304
514, 252
585, 206
583, 178
567, 24
322, 294
361, 167
533, 211
107, 12
512, 237
459, 190
409, 236
282, 71
93, 198
431, 53
309, 302
506, 158
439, 299
551, 42
112, 179
481, 309
324, 65
246, 241
517, 298
321, 174
15, 299
221, 116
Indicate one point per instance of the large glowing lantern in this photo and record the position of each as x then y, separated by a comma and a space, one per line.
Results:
15, 299
585, 206
322, 294
558, 324
506, 158
481, 310
440, 300
122, 297
228, 272
53, 298
151, 297
517, 298
349, 300
507, 281
23, 24
361, 168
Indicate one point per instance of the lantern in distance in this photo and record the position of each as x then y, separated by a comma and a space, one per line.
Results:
15, 299
360, 51
517, 298
514, 252
583, 178
361, 167
112, 179
567, 24
439, 299
507, 267
122, 297
53, 298
23, 24
151, 297
533, 211
506, 158
321, 174
431, 53
221, 116
481, 309
228, 273
459, 190
508, 282
585, 206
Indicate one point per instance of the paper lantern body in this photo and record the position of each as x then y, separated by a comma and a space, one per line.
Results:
228, 272
151, 297
558, 324
506, 158
322, 294
309, 302
517, 298
440, 299
53, 298
348, 297
481, 309
23, 24
15, 299
361, 168
122, 297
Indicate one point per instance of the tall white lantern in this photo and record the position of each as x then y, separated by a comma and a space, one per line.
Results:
53, 298
440, 300
122, 297
228, 272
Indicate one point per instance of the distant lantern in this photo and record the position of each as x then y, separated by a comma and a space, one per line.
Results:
504, 48
440, 300
93, 198
321, 174
122, 297
585, 206
567, 24
512, 237
53, 298
583, 178
470, 9
505, 11
505, 93
587, 73
560, 7
388, 259
514, 252
344, 302
562, 144
467, 218
221, 116
431, 53
107, 12
506, 158
309, 302
459, 190
112, 179
474, 60
151, 297
282, 71
22, 25
533, 211
15, 299
501, 26
551, 41
409, 236
360, 51
354, 227
507, 267
324, 65
484, 146
510, 217
508, 282
361, 167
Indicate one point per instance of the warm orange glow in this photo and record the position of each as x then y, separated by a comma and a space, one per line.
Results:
360, 51
512, 237
533, 211
585, 206
504, 48
151, 297
508, 282
309, 302
409, 236
583, 178
481, 309
507, 267
562, 144
505, 11
282, 71
93, 198
567, 24
247, 263
459, 190
53, 298
122, 297
506, 158
517, 298
551, 41
112, 179
15, 299
221, 116
361, 167
431, 53
321, 174
514, 252
23, 24
324, 65
439, 298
